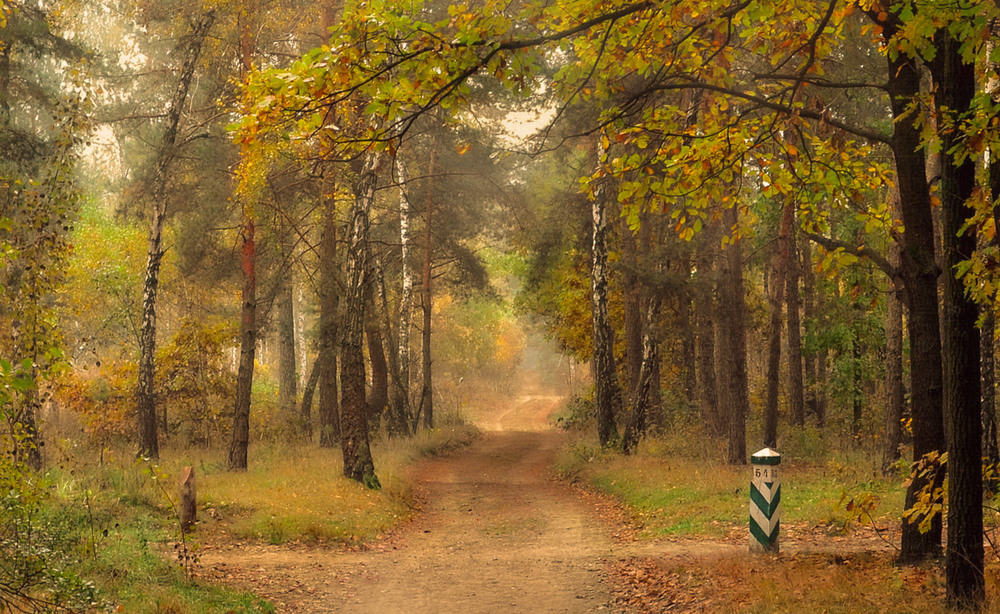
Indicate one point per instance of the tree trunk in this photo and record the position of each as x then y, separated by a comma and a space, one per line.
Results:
427, 392
654, 408
397, 403
145, 395
654, 405
955, 83
244, 378
640, 394
248, 261
686, 321
796, 387
400, 399
376, 355
712, 416
607, 394
777, 300
895, 395
857, 392
354, 445
632, 303
706, 333
329, 411
732, 356
919, 272
288, 377
988, 383
988, 335
809, 300
305, 412
26, 439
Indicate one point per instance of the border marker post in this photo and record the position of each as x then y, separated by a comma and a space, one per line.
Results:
765, 501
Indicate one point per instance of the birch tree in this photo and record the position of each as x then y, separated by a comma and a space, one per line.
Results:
145, 395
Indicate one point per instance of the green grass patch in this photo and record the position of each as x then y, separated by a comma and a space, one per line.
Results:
116, 523
672, 492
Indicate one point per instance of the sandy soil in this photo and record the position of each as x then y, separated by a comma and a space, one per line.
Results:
497, 534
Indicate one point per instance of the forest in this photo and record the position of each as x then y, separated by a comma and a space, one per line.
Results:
338, 258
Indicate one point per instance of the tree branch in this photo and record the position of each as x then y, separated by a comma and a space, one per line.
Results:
869, 135
831, 244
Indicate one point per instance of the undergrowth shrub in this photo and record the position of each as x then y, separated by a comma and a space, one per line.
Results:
37, 548
577, 413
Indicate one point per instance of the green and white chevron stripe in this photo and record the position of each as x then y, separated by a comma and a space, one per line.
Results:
765, 501
765, 514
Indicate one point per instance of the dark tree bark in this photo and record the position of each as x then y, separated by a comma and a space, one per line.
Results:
822, 399
988, 383
329, 297
288, 375
248, 264
706, 333
895, 397
687, 325
358, 464
640, 394
857, 387
654, 407
796, 391
632, 299
919, 272
607, 392
376, 355
777, 299
713, 417
809, 315
244, 379
955, 83
328, 412
305, 410
988, 334
399, 403
732, 357
426, 295
27, 442
145, 395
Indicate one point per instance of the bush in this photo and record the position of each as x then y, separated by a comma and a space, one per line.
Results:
36, 550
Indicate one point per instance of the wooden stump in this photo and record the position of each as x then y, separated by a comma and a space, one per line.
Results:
189, 508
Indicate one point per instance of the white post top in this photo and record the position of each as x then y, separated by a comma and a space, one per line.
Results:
767, 456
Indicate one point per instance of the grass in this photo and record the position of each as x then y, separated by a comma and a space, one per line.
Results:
119, 514
299, 493
119, 521
676, 487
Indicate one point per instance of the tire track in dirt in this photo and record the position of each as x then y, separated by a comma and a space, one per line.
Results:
497, 534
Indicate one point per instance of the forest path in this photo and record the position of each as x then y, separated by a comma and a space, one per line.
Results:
497, 534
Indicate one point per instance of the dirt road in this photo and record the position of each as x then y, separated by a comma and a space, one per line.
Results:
497, 534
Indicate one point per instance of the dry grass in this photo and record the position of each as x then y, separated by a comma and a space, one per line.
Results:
295, 493
678, 487
670, 491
